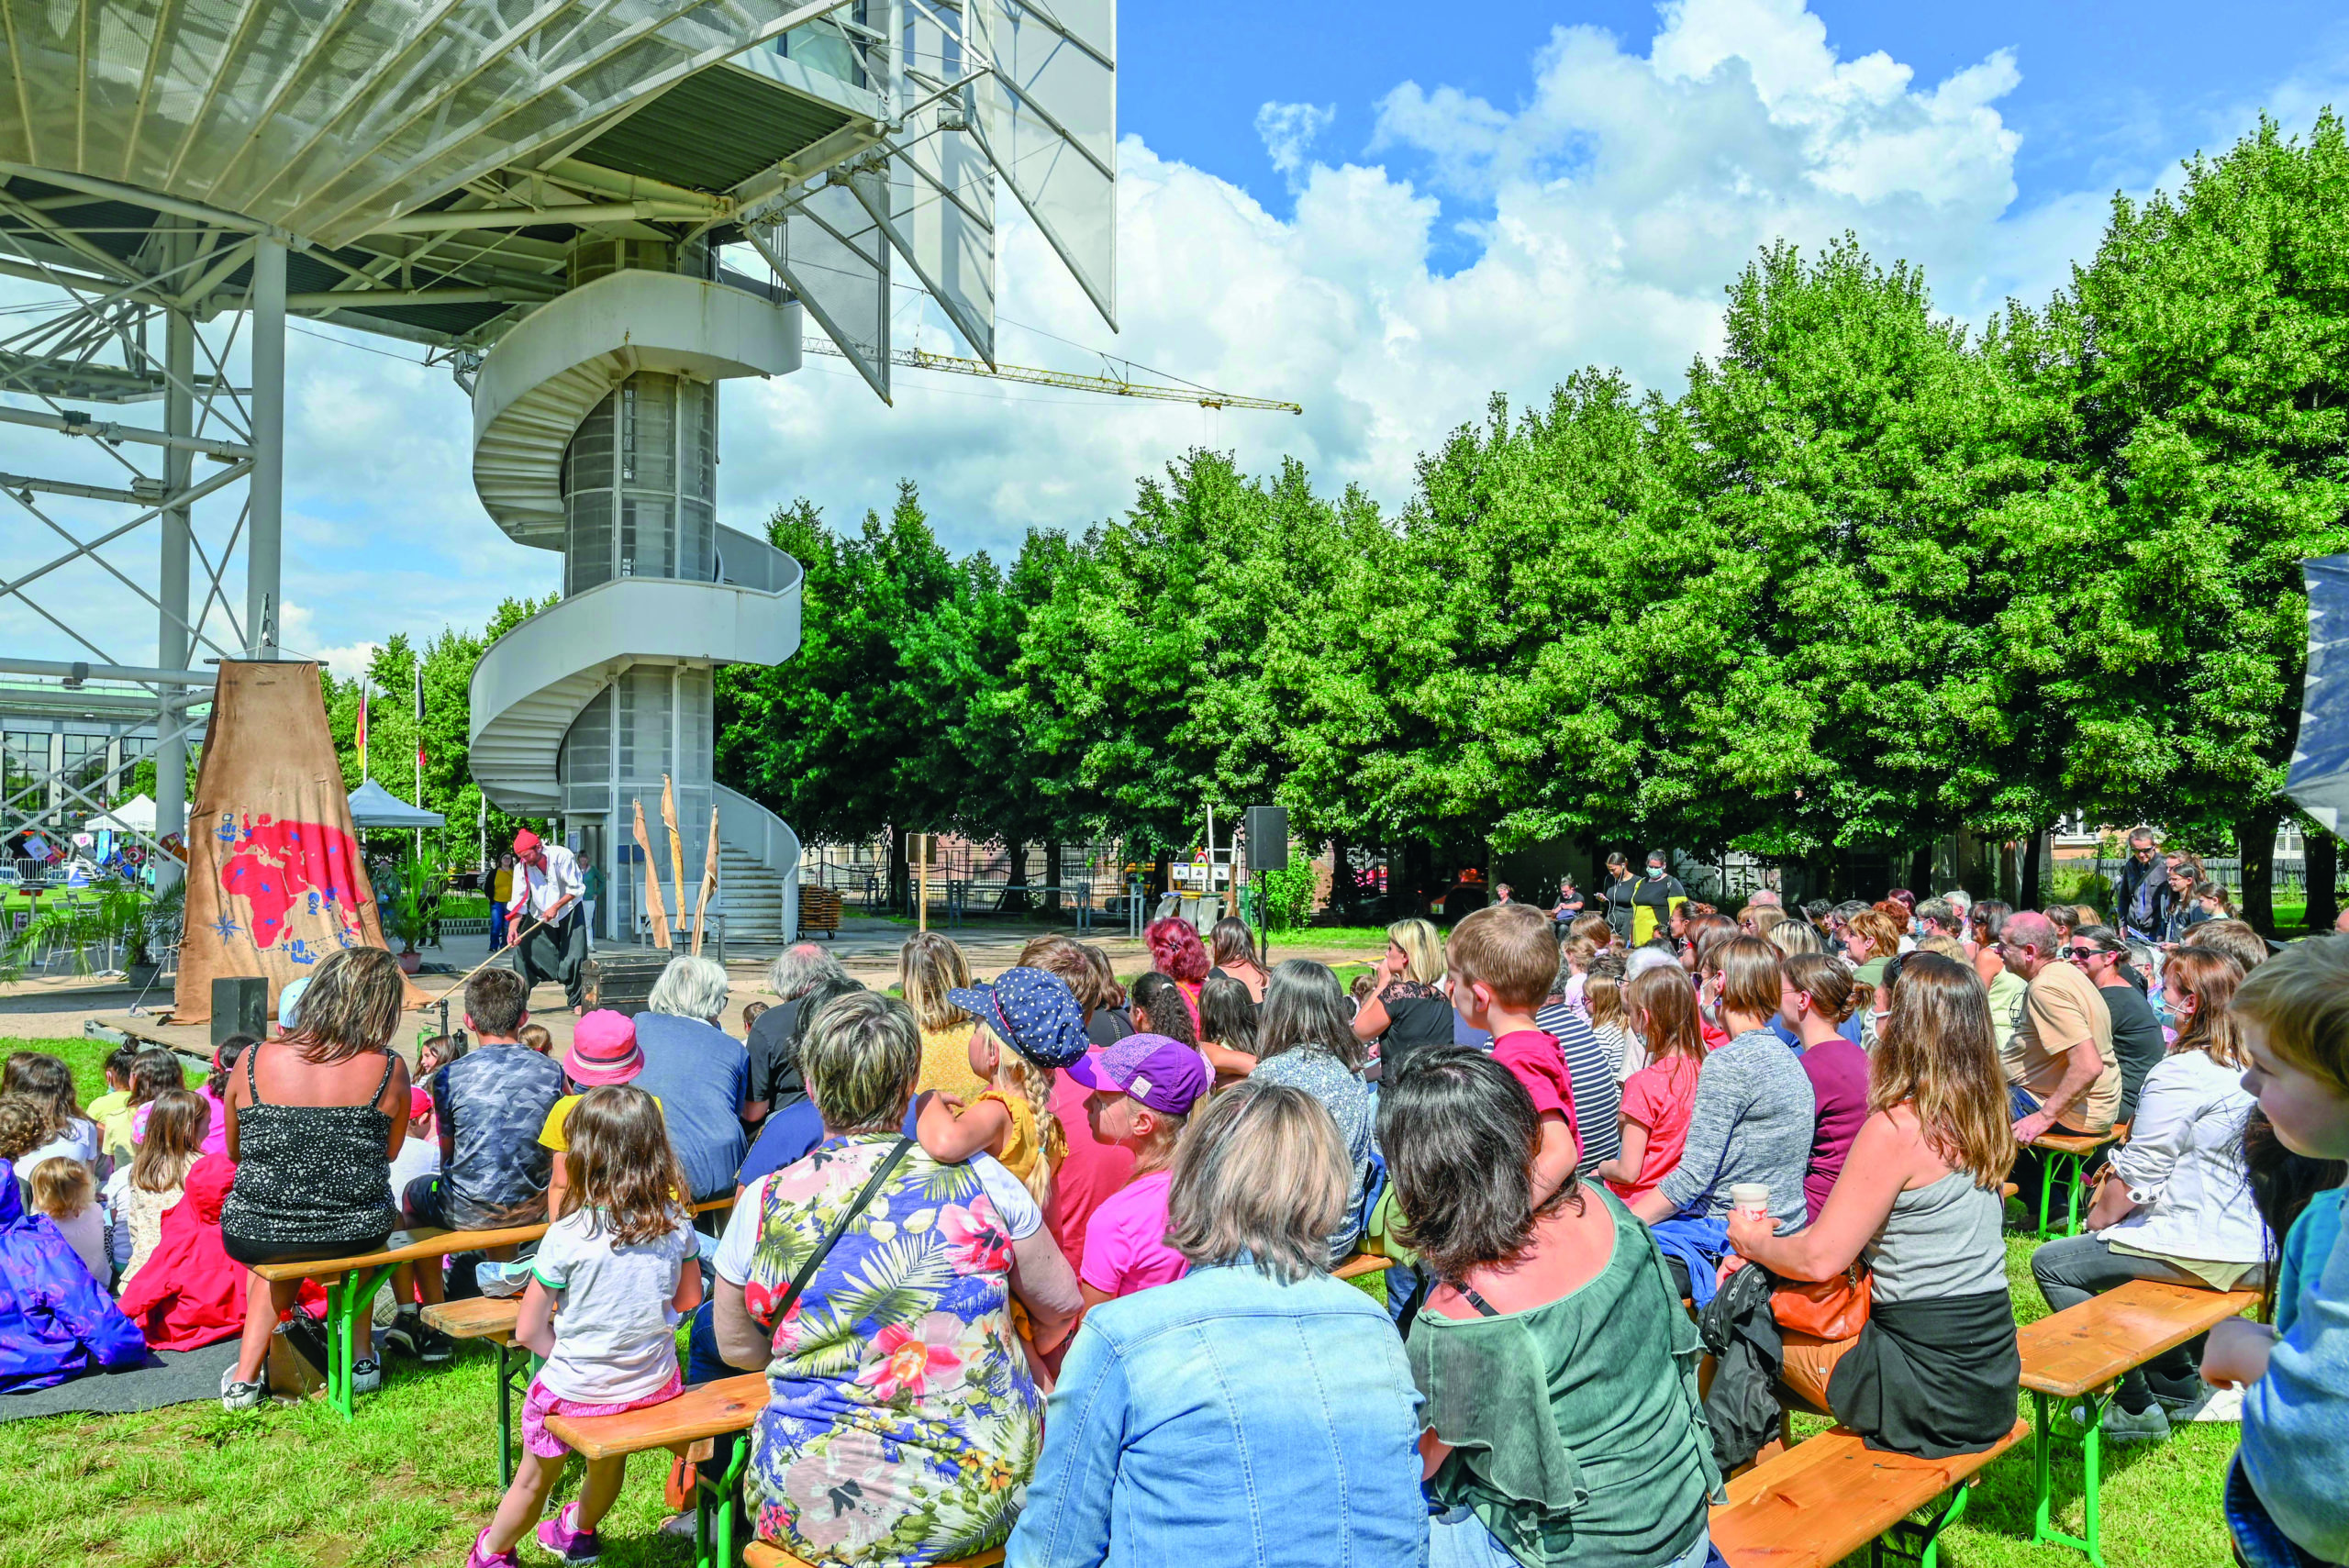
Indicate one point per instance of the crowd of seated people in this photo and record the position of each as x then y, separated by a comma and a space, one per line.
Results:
1045, 1261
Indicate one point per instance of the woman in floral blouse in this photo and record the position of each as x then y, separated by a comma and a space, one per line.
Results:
904, 1420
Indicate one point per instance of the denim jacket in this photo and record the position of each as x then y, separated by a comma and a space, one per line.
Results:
1228, 1419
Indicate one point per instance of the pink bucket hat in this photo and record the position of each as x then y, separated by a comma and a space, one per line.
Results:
603, 1049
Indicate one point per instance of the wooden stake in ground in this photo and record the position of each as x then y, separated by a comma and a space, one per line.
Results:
652, 905
676, 847
708, 880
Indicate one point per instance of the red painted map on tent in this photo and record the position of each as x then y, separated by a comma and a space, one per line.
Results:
285, 870
276, 885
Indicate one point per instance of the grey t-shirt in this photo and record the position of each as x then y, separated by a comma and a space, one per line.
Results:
493, 1100
1348, 1099
1751, 1122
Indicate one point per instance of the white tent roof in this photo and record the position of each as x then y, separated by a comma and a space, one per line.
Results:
136, 815
372, 806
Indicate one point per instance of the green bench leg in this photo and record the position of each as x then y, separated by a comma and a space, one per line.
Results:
511, 1359
2073, 1166
346, 1298
2042, 1527
1912, 1541
719, 1499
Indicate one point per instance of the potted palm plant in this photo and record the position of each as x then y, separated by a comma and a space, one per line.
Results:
419, 880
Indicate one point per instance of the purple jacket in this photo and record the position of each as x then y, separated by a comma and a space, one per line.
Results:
56, 1322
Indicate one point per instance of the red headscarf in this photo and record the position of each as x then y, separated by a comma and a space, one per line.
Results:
189, 1291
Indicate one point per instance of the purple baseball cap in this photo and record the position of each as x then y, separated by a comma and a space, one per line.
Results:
1158, 1070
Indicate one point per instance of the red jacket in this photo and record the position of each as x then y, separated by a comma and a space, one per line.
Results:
190, 1292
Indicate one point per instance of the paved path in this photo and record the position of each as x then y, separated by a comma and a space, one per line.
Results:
866, 946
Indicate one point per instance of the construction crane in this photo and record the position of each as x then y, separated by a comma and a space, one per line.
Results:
1113, 384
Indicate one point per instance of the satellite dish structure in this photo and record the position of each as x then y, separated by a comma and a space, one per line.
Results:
592, 211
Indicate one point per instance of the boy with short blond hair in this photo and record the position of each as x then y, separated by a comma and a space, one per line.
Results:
1501, 959
2285, 1489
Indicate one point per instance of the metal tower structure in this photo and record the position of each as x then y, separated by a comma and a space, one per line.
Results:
592, 211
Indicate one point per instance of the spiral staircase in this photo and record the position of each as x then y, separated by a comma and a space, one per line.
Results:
595, 435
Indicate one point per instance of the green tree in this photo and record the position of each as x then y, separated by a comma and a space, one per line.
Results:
854, 736
2209, 364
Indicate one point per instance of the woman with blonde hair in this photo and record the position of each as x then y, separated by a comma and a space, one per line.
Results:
929, 967
1933, 1371
1871, 939
1311, 1388
1407, 1009
2175, 1203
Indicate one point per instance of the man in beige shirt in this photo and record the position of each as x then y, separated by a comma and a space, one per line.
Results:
2059, 1062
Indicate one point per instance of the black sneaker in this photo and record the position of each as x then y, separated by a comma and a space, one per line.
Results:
432, 1347
404, 1332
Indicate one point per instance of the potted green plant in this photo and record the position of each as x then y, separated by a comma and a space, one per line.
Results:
109, 918
419, 881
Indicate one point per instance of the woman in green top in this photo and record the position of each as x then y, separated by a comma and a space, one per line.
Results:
1558, 1368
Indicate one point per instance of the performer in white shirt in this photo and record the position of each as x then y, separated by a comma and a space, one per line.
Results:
546, 926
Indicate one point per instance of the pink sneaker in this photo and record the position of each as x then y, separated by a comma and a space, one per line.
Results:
482, 1557
562, 1536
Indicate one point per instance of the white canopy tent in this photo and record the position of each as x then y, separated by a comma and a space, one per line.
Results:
372, 806
134, 815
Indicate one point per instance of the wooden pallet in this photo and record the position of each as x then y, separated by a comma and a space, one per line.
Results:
819, 910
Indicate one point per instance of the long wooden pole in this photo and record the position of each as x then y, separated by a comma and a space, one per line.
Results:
653, 904
676, 843
708, 881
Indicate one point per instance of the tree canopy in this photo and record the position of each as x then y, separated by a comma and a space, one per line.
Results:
1871, 577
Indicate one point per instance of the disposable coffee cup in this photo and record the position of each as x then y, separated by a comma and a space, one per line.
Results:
1751, 1197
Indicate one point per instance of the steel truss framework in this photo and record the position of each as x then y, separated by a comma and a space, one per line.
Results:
181, 176
121, 329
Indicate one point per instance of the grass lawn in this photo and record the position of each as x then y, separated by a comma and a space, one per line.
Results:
413, 1477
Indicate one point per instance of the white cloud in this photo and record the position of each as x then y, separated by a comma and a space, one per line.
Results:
1605, 210
1289, 131
1613, 205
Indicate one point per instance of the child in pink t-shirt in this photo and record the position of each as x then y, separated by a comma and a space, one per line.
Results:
1143, 1089
1659, 1097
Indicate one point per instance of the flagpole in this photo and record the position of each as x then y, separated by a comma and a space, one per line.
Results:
363, 730
419, 751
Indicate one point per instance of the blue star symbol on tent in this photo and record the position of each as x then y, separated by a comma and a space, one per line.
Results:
224, 927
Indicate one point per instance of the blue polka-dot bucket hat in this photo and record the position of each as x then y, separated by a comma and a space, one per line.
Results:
1032, 1011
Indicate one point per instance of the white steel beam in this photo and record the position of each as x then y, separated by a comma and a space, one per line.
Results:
266, 503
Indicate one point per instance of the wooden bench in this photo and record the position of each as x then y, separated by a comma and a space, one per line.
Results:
1822, 1500
351, 1283
2081, 1354
683, 1425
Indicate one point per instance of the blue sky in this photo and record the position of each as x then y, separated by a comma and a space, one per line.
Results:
2109, 89
1386, 213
